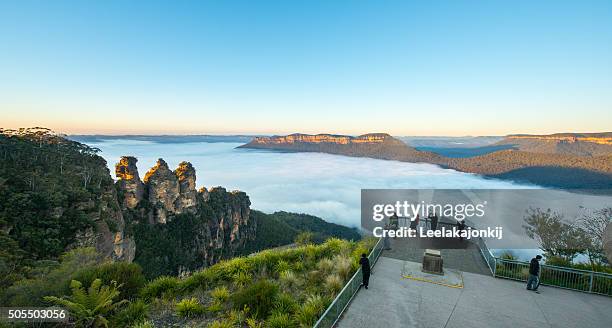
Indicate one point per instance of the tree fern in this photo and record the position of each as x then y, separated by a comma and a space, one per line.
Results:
90, 307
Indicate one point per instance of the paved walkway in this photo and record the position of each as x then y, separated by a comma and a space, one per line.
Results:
459, 255
393, 301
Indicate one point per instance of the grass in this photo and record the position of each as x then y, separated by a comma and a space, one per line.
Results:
273, 288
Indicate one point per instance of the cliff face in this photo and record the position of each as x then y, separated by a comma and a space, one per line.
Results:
376, 145
129, 181
57, 194
578, 144
187, 199
323, 138
163, 191
178, 228
560, 160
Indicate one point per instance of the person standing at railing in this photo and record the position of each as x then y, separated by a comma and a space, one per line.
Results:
533, 282
365, 270
386, 241
434, 221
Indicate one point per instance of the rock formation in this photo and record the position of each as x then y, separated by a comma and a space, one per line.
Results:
129, 181
163, 191
219, 222
186, 175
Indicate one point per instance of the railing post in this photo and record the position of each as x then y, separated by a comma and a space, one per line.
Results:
494, 266
591, 283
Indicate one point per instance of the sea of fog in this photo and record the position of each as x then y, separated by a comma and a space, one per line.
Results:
327, 186
324, 185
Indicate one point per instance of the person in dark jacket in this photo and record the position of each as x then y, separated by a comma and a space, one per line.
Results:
365, 270
434, 221
461, 227
533, 282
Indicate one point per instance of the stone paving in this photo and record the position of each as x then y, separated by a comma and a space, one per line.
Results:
392, 301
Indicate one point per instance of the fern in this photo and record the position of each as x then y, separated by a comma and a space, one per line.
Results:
90, 307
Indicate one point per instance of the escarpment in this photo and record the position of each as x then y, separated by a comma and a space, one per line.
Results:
178, 228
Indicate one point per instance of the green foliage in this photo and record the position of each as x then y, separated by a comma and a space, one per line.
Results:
259, 297
50, 188
161, 286
221, 324
220, 294
128, 275
145, 324
189, 307
285, 303
334, 283
304, 238
280, 320
51, 280
282, 228
134, 313
90, 307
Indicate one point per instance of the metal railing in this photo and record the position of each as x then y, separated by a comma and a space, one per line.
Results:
550, 275
341, 302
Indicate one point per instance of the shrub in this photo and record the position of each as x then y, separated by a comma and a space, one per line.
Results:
344, 266
220, 294
307, 315
304, 238
285, 303
508, 255
325, 265
215, 307
161, 286
237, 318
221, 324
333, 283
89, 307
133, 313
189, 307
146, 324
259, 297
279, 320
200, 279
54, 282
317, 301
253, 323
289, 278
281, 266
241, 279
128, 275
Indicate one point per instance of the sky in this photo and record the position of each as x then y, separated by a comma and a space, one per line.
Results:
450, 68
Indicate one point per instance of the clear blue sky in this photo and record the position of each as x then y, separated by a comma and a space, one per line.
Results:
408, 68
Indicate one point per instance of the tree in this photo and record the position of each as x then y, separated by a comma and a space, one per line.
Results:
90, 307
594, 224
547, 228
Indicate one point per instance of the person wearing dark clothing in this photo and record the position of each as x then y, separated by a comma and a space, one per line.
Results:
434, 222
461, 227
533, 282
365, 270
415, 223
394, 221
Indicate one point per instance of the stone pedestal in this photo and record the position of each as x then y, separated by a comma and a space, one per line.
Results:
432, 262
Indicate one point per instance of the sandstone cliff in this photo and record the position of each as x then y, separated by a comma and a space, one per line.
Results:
375, 145
544, 160
129, 181
178, 229
579, 144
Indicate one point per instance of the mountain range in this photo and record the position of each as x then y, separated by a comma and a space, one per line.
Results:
566, 160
